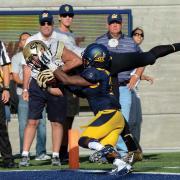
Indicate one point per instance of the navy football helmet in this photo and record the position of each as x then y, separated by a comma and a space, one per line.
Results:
96, 55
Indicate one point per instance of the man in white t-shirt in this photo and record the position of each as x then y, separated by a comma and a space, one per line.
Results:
49, 98
18, 62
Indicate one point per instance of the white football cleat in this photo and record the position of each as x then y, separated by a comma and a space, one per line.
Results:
121, 167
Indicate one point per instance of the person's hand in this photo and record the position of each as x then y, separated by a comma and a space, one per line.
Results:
150, 79
5, 96
45, 77
147, 78
25, 95
133, 81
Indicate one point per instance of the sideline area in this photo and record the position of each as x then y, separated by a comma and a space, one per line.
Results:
158, 141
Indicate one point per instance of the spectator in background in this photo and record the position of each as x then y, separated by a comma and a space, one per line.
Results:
135, 117
17, 69
6, 105
116, 41
11, 105
51, 97
5, 146
66, 14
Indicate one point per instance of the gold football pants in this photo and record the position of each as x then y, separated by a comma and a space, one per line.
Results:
106, 127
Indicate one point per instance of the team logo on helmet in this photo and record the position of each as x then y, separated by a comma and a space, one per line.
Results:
99, 57
96, 55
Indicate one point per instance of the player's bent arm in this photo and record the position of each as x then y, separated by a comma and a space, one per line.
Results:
70, 80
70, 59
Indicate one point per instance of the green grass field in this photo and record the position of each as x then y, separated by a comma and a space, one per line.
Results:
154, 162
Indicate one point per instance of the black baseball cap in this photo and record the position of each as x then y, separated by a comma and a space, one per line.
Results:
114, 18
66, 9
45, 16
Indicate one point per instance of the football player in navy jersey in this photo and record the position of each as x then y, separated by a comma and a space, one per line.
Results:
94, 83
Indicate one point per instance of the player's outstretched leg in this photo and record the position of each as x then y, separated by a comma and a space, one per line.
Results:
127, 61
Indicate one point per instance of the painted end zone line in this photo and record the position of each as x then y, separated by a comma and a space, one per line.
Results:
82, 174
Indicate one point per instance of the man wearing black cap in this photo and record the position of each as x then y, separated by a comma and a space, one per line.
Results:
116, 41
66, 14
50, 97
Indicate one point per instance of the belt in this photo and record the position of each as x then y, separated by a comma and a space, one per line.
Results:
124, 83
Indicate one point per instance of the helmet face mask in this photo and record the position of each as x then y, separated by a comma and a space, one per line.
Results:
35, 61
33, 52
96, 55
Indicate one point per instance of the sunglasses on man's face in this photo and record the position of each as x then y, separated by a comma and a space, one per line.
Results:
46, 23
138, 34
67, 15
114, 22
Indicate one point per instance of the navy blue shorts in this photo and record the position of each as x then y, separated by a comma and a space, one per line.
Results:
38, 99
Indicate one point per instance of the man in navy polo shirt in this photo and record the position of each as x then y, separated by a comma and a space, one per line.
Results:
116, 41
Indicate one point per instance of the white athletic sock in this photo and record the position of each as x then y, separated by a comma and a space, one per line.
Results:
25, 153
95, 146
55, 154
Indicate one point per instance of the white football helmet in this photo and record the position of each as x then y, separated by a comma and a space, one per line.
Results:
36, 54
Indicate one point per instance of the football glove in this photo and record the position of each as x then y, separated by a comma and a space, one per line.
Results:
44, 78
